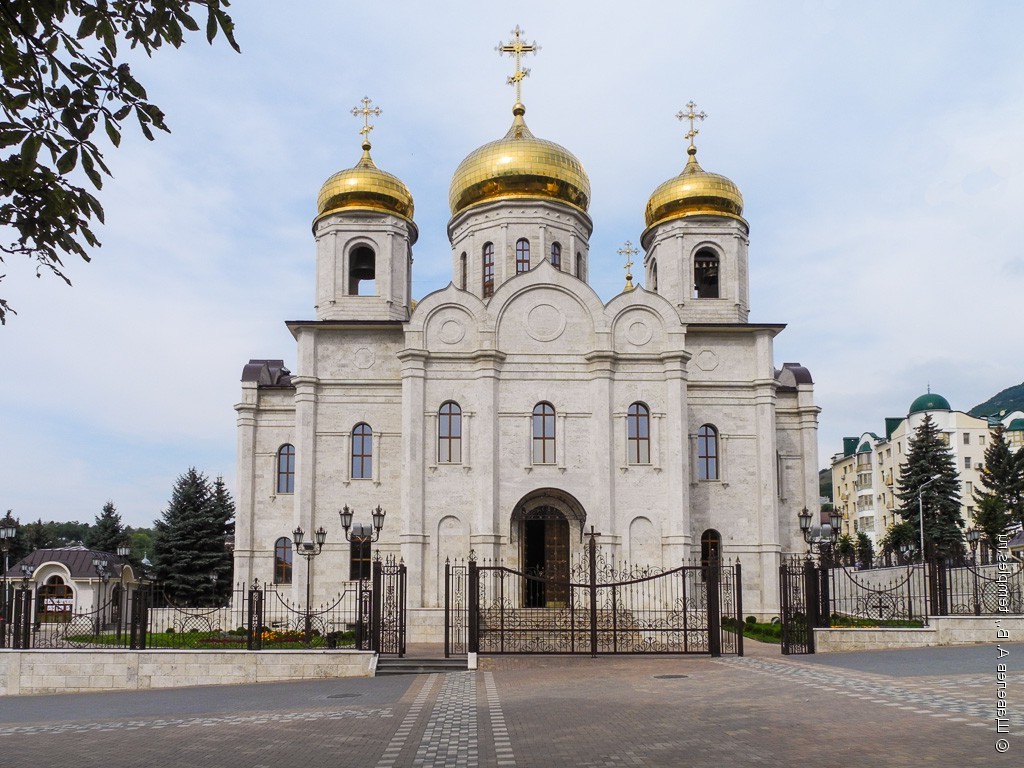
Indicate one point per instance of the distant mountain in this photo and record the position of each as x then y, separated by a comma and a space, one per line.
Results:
1010, 399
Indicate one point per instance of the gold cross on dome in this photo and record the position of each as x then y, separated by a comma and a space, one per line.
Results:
691, 116
366, 110
629, 252
516, 49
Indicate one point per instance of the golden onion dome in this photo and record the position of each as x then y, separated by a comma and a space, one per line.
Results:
364, 187
516, 166
693, 192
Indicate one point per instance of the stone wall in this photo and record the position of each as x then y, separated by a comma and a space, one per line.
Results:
941, 630
61, 671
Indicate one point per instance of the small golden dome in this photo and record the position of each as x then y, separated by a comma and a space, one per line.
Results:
693, 192
364, 187
519, 165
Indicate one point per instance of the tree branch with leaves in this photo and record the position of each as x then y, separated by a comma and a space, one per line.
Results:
62, 77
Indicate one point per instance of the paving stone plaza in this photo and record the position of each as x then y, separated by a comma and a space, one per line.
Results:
933, 706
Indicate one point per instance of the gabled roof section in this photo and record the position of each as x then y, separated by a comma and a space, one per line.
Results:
77, 559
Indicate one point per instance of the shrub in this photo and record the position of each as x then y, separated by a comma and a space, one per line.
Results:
751, 619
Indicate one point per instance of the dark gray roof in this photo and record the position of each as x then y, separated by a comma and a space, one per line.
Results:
267, 373
78, 560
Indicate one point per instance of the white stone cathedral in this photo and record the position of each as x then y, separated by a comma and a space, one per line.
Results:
513, 409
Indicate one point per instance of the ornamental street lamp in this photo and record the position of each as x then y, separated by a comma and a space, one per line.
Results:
973, 535
123, 551
820, 539
8, 530
309, 550
103, 572
362, 539
920, 510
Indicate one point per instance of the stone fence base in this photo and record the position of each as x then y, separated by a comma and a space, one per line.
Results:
941, 630
59, 671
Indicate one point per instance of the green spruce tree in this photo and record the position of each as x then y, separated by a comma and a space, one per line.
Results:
108, 533
1000, 500
928, 457
865, 550
224, 515
189, 547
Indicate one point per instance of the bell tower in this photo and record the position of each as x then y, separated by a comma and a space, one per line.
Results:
696, 241
364, 236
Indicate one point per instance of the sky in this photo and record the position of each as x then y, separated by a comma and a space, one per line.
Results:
878, 147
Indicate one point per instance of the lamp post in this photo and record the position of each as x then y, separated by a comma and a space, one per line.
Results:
100, 565
973, 535
309, 550
822, 541
920, 510
8, 530
377, 515
123, 550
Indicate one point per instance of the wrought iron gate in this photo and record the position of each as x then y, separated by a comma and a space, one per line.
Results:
799, 586
456, 625
605, 610
387, 626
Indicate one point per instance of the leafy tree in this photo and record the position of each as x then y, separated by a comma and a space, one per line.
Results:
108, 533
189, 548
899, 538
865, 549
1002, 479
63, 76
845, 549
929, 457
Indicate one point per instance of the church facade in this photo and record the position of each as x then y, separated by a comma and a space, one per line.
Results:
514, 409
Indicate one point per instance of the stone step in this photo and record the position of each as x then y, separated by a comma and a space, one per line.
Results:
392, 665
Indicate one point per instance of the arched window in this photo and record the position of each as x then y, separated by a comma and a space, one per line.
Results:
707, 453
654, 276
488, 262
283, 561
449, 433
710, 550
362, 272
705, 274
362, 452
579, 265
54, 600
462, 271
556, 256
543, 434
522, 255
638, 434
286, 469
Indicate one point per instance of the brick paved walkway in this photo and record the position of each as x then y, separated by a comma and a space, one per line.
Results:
760, 710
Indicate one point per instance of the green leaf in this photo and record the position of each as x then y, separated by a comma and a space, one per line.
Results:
30, 151
68, 161
88, 25
112, 133
9, 137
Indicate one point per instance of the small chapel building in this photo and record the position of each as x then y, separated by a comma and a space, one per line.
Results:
513, 409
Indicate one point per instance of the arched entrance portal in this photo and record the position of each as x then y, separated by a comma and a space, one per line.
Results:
543, 524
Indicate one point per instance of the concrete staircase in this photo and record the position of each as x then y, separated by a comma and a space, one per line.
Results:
393, 665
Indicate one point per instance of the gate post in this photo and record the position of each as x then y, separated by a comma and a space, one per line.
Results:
474, 605
738, 586
22, 618
592, 552
824, 601
811, 600
254, 640
140, 619
375, 607
713, 607
447, 608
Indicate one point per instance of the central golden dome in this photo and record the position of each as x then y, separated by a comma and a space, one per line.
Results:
364, 187
519, 165
694, 192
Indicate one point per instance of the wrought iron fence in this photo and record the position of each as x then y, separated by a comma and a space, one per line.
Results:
604, 609
257, 616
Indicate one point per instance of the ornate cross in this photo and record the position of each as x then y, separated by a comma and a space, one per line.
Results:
366, 111
691, 116
629, 252
517, 48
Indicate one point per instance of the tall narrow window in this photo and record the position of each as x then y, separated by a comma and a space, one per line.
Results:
449, 433
543, 434
638, 434
522, 255
359, 552
556, 256
283, 561
707, 453
710, 550
462, 271
654, 276
705, 275
579, 265
362, 452
488, 262
286, 469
